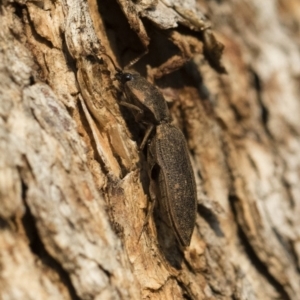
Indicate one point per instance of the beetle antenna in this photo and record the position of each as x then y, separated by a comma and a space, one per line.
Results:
113, 63
134, 61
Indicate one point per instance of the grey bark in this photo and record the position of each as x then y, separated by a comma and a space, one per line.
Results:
74, 187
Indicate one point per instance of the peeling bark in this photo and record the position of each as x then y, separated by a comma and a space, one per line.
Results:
74, 187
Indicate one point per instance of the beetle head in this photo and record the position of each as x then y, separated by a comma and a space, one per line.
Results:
123, 77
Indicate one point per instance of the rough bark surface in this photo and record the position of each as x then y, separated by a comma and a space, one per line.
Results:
73, 186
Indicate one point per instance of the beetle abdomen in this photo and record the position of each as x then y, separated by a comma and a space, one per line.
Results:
176, 182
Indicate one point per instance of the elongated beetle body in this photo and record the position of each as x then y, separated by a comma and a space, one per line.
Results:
177, 187
167, 150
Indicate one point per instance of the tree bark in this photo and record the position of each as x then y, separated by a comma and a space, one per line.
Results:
73, 186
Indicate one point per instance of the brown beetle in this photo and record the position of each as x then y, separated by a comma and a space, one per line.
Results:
167, 149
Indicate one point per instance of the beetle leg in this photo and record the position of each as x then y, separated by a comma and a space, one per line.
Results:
151, 207
146, 136
152, 187
138, 113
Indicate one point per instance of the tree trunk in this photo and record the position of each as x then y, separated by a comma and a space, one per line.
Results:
74, 188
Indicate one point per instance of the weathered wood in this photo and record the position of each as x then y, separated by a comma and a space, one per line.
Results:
74, 187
